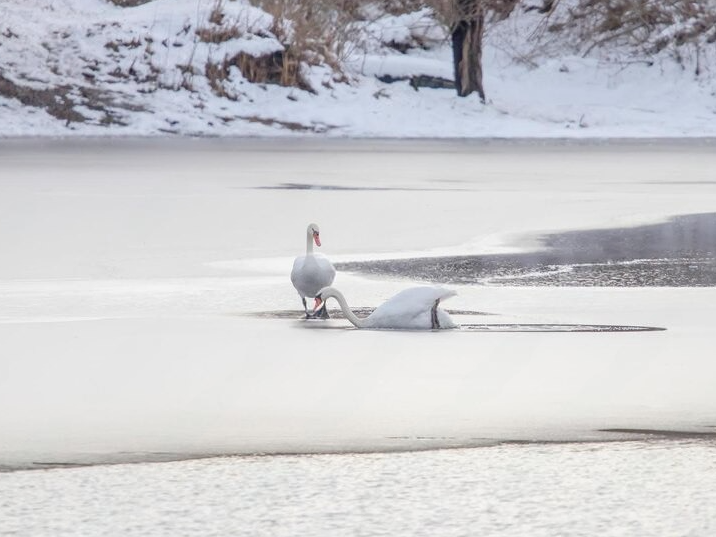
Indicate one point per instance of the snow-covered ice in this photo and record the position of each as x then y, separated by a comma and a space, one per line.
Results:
131, 271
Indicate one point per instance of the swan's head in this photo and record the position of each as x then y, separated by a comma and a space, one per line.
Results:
313, 230
323, 295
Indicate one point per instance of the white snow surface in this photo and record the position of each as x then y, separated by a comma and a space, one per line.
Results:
147, 69
132, 273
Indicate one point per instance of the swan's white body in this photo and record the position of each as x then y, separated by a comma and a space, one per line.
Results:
412, 309
311, 272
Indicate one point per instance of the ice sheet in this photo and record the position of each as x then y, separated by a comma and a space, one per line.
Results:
128, 284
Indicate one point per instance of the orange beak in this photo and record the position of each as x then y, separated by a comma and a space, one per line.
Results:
316, 239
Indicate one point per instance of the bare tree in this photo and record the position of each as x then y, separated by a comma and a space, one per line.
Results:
466, 21
467, 36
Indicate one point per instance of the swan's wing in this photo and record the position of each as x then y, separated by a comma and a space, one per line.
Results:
420, 298
325, 268
411, 308
311, 273
296, 272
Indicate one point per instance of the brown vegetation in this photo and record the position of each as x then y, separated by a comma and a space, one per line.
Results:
684, 28
312, 32
218, 29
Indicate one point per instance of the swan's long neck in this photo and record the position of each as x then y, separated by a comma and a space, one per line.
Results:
352, 317
309, 241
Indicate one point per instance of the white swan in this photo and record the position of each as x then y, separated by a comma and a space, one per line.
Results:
412, 309
311, 272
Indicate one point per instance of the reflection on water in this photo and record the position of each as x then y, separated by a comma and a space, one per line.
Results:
678, 253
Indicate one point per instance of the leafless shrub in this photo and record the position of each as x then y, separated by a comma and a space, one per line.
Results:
646, 27
218, 34
398, 7
277, 68
217, 74
312, 31
218, 28
451, 12
216, 16
187, 72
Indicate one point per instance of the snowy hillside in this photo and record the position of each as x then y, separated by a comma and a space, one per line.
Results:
89, 67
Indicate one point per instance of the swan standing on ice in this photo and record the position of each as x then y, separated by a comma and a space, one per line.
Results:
412, 309
311, 272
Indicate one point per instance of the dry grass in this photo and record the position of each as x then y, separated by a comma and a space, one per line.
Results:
312, 32
218, 34
279, 68
219, 29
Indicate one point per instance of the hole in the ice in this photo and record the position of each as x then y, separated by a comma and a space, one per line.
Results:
337, 314
549, 327
321, 324
308, 186
665, 433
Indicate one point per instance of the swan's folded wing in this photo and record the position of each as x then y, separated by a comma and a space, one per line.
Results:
421, 297
326, 269
311, 273
410, 308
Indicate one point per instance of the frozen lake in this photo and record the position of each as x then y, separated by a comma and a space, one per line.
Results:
146, 315
625, 488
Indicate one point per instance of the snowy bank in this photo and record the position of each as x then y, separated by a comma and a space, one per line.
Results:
87, 67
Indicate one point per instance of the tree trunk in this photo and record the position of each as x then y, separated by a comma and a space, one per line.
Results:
467, 49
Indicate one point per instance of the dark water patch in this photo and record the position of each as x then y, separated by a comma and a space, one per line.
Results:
305, 186
83, 460
549, 327
678, 253
679, 183
320, 324
663, 433
500, 327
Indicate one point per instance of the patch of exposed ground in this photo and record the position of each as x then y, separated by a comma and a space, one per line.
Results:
290, 125
55, 101
62, 101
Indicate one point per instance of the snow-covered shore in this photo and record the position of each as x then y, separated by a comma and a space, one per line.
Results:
86, 67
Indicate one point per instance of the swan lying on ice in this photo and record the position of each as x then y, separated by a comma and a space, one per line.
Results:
311, 272
416, 308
